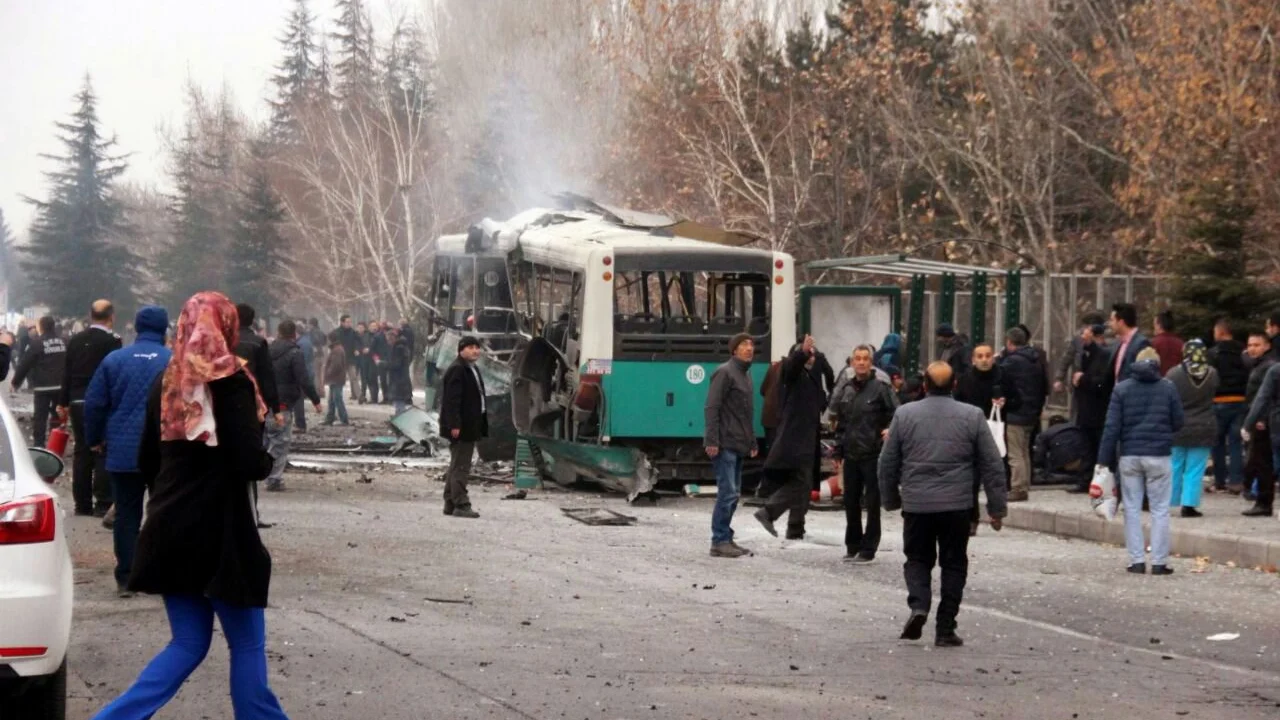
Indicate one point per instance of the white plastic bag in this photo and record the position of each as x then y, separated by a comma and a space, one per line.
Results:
995, 421
1102, 492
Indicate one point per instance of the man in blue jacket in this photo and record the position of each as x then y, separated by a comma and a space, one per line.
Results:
115, 409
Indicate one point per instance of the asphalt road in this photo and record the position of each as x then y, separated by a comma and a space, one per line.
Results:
383, 607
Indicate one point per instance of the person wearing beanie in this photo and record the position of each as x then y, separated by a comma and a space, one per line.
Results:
463, 422
953, 349
1144, 417
729, 437
115, 410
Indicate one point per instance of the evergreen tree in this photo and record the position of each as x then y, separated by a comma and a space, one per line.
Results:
406, 73
353, 71
297, 74
10, 277
1212, 277
184, 266
257, 246
804, 46
77, 252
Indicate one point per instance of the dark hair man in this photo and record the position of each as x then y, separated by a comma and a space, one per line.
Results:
1070, 361
1022, 371
463, 422
1227, 356
252, 348
729, 437
293, 381
863, 407
1129, 342
803, 400
90, 483
1260, 465
1091, 392
350, 341
936, 451
44, 364
1166, 342
1272, 329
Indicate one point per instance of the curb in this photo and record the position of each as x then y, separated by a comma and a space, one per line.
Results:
1245, 552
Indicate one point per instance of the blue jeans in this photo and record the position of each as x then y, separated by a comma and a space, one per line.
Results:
1153, 475
1230, 417
337, 404
1188, 476
728, 469
191, 622
127, 489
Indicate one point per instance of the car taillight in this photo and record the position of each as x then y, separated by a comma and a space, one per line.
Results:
29, 520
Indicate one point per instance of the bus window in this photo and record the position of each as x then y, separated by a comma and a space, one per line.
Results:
688, 314
462, 296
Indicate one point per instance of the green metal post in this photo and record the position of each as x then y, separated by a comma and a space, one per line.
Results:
915, 326
1013, 299
978, 314
947, 301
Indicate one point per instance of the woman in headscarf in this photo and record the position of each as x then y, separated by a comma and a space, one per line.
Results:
199, 548
1197, 383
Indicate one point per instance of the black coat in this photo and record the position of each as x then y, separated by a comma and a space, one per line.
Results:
398, 371
293, 379
1093, 394
863, 411
254, 351
802, 402
43, 364
5, 359
1227, 356
85, 352
201, 537
462, 403
979, 388
1024, 373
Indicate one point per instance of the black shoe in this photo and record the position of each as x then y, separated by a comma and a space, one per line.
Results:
123, 592
84, 512
795, 534
1138, 568
763, 516
914, 629
465, 512
1257, 511
278, 487
101, 511
448, 509
948, 640
1190, 512
1161, 570
265, 525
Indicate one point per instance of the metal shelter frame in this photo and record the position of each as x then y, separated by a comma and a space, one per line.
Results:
919, 271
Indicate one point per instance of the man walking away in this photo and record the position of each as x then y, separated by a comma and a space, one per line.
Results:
770, 395
1092, 384
1023, 373
729, 437
1260, 465
398, 371
1129, 342
795, 451
115, 410
293, 382
1227, 356
43, 364
350, 347
983, 386
463, 422
90, 484
335, 376
1166, 342
1144, 416
253, 349
863, 409
937, 449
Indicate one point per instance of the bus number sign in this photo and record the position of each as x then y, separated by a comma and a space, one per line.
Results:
695, 374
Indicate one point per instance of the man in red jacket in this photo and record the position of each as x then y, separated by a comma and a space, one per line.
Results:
1166, 342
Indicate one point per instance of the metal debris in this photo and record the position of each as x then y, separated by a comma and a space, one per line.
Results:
598, 516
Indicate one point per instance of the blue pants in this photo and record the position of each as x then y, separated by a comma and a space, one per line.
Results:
1188, 476
728, 468
127, 489
1230, 417
191, 621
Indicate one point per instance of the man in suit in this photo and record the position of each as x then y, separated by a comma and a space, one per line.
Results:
463, 423
90, 483
1129, 341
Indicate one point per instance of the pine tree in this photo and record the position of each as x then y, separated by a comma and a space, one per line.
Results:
184, 266
10, 277
77, 252
257, 246
803, 46
1213, 280
296, 75
406, 72
353, 71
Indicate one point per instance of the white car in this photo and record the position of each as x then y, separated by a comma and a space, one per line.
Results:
35, 581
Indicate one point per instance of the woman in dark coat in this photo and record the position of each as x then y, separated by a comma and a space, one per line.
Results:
199, 548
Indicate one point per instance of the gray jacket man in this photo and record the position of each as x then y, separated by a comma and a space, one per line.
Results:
936, 451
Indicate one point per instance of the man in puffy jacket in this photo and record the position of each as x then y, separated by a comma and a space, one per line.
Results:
43, 365
1229, 407
936, 450
863, 407
293, 381
115, 409
1144, 415
729, 438
1023, 372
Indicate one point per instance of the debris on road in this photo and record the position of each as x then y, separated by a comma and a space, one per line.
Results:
449, 601
1223, 636
695, 490
598, 516
517, 495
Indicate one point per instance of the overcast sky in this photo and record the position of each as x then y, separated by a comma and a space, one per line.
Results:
139, 53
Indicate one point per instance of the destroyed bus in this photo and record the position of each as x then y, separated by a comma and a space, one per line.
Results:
617, 321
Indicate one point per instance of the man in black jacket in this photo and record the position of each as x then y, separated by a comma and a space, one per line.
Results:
254, 351
1023, 371
90, 483
983, 386
729, 438
1229, 408
6, 348
1091, 385
1260, 463
863, 408
803, 401
43, 364
293, 381
380, 355
463, 423
401, 392
350, 342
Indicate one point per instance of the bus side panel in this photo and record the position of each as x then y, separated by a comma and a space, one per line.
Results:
662, 399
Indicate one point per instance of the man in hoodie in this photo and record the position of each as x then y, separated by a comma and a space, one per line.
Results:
115, 409
1024, 373
293, 382
936, 451
43, 364
90, 484
1144, 416
1229, 408
729, 438
795, 452
863, 407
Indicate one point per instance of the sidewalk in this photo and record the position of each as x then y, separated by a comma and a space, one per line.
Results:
1223, 535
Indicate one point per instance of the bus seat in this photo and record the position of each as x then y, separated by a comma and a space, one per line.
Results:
495, 321
758, 326
642, 325
684, 325
726, 326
